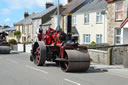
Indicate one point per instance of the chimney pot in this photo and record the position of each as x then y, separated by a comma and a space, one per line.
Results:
26, 14
68, 1
49, 4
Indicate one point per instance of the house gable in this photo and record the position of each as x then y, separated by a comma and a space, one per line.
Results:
124, 23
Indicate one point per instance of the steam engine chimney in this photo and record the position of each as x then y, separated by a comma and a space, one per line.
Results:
69, 26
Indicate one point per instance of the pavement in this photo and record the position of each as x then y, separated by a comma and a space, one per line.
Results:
115, 69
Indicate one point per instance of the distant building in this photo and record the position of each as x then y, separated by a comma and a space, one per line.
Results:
25, 27
10, 32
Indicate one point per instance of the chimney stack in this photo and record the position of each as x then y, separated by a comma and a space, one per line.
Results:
68, 1
49, 4
26, 14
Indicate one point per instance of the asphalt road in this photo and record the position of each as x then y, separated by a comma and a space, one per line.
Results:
16, 69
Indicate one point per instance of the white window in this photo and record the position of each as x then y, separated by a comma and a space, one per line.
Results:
55, 22
73, 20
86, 38
119, 11
28, 29
117, 36
98, 38
25, 29
99, 17
86, 19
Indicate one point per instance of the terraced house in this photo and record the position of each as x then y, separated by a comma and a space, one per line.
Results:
25, 27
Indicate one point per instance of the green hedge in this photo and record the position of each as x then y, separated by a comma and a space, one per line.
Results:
12, 41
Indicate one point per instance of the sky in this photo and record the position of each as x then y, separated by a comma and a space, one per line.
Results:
12, 11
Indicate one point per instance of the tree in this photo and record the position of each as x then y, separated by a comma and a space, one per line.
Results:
18, 35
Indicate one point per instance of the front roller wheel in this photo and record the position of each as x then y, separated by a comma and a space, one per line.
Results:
39, 53
75, 61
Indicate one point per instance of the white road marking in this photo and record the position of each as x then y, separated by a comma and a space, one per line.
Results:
117, 74
72, 81
37, 69
12, 61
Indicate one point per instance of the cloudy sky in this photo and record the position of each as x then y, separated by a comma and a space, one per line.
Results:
11, 11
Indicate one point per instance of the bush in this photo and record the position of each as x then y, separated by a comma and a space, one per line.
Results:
12, 41
25, 42
93, 42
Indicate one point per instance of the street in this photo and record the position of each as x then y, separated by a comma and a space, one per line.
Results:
16, 69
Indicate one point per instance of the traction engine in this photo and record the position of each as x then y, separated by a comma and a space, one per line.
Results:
57, 46
4, 45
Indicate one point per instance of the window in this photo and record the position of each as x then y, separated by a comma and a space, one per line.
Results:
86, 19
73, 19
28, 29
99, 17
98, 38
117, 36
86, 38
119, 11
24, 28
55, 22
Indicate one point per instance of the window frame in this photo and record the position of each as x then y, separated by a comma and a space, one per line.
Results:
99, 37
74, 20
98, 16
86, 16
117, 35
119, 11
86, 36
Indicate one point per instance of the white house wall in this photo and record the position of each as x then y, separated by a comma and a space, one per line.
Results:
92, 28
36, 24
125, 36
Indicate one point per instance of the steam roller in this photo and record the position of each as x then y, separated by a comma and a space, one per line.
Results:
4, 45
61, 48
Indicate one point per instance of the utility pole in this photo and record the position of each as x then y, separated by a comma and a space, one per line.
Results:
58, 16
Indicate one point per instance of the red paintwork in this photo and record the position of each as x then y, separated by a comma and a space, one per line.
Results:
51, 38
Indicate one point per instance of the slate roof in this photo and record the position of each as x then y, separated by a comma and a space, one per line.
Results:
93, 5
8, 29
72, 6
27, 20
39, 15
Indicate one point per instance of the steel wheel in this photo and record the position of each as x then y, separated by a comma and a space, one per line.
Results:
75, 61
64, 64
39, 53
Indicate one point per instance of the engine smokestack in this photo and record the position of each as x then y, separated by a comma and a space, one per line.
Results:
69, 26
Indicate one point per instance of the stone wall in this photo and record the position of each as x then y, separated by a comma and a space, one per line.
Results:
113, 56
118, 55
98, 56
